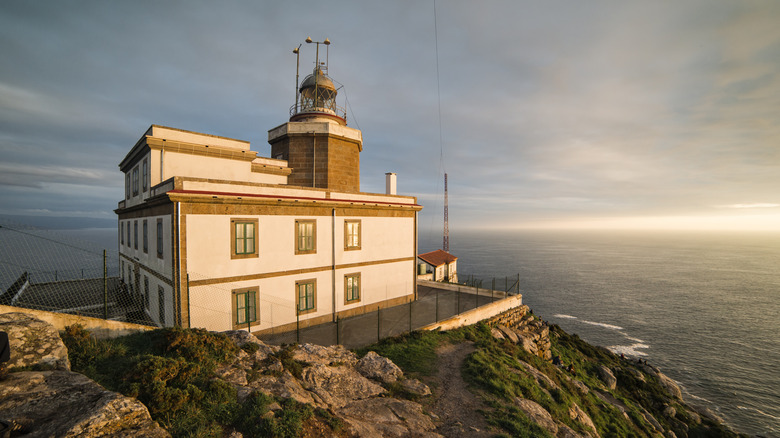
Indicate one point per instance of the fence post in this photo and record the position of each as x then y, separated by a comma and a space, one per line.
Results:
410, 315
105, 287
437, 305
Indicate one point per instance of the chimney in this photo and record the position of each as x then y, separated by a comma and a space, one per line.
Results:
390, 183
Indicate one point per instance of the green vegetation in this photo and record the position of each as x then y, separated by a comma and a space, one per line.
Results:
171, 371
495, 372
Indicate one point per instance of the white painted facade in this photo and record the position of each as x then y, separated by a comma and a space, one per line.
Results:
194, 185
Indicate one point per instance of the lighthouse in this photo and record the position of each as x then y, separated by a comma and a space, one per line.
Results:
321, 149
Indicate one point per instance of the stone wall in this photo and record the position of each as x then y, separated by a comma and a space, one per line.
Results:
100, 328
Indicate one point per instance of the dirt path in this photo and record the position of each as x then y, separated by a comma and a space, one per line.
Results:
456, 407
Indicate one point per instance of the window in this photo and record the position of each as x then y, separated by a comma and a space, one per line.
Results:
306, 296
352, 234
145, 174
135, 181
243, 238
146, 237
245, 307
122, 233
135, 234
127, 185
305, 236
159, 238
129, 242
161, 304
146, 292
351, 288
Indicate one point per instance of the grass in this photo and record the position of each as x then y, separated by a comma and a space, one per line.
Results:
171, 371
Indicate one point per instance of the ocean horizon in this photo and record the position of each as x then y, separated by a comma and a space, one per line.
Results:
702, 306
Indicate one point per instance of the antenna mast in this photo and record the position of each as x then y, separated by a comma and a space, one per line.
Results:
446, 242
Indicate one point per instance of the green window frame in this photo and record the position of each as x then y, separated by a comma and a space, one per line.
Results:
351, 288
352, 238
305, 236
246, 307
243, 238
306, 296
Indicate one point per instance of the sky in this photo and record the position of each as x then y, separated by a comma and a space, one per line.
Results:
544, 114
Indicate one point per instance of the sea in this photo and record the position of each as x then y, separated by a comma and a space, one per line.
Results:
704, 307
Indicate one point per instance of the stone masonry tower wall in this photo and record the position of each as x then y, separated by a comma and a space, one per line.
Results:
321, 154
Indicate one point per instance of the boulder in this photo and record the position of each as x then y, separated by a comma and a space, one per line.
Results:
670, 386
527, 342
509, 333
607, 377
581, 387
567, 432
234, 376
338, 385
34, 343
670, 411
537, 414
577, 414
540, 377
415, 387
378, 368
317, 354
68, 404
497, 333
285, 386
387, 417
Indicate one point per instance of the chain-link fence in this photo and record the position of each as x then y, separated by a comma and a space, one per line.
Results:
54, 271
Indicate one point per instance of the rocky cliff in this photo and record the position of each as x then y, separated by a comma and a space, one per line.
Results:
494, 378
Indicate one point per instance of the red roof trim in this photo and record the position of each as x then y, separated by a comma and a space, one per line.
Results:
254, 195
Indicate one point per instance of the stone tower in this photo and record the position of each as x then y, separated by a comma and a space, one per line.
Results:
321, 149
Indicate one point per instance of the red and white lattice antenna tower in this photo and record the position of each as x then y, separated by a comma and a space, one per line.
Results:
446, 243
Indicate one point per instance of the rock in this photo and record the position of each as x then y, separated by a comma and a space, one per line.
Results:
497, 333
67, 404
285, 386
540, 377
528, 344
232, 375
235, 434
670, 386
581, 387
651, 419
637, 374
387, 417
537, 414
582, 417
415, 387
607, 377
670, 411
509, 333
670, 434
34, 343
317, 354
567, 432
378, 368
339, 385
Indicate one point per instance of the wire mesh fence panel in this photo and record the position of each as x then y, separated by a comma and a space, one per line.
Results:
54, 271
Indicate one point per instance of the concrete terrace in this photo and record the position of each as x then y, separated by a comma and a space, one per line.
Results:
436, 302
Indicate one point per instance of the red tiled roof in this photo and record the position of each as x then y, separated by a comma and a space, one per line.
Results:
437, 258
